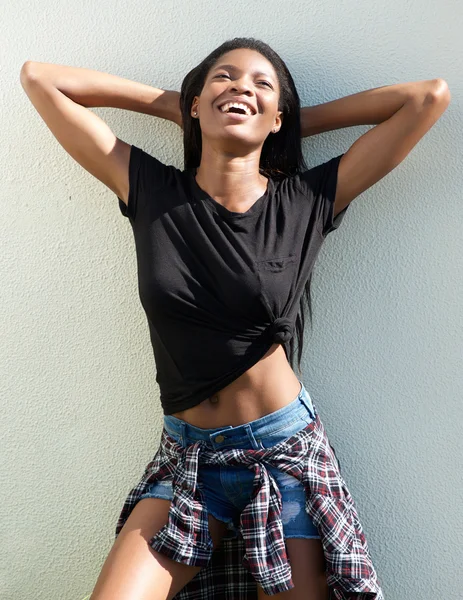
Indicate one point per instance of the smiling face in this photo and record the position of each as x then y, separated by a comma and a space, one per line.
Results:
247, 77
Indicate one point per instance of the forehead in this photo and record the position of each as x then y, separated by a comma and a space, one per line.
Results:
244, 59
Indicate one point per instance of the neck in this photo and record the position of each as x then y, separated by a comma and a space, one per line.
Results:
233, 181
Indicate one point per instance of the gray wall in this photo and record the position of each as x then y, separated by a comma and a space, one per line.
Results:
80, 406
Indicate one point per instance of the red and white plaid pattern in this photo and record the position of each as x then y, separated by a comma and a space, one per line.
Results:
259, 553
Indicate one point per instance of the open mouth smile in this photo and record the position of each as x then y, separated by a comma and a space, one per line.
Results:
236, 110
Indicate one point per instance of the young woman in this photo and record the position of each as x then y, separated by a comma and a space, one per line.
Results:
225, 251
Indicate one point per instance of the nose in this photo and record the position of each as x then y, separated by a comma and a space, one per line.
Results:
241, 86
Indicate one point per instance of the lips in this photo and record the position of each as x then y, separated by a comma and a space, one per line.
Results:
251, 107
236, 116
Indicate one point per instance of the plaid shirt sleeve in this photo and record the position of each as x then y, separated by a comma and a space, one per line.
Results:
233, 569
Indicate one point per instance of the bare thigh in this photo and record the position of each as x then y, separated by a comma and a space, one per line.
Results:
133, 570
308, 570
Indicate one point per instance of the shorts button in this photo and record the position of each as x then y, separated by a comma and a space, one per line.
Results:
219, 438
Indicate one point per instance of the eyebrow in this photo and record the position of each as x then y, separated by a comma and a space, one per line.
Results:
233, 68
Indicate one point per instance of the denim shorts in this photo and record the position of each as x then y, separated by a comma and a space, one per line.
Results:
228, 489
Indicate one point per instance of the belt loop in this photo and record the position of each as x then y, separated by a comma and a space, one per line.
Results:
306, 400
252, 439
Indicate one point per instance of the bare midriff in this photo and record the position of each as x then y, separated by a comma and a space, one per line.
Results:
266, 387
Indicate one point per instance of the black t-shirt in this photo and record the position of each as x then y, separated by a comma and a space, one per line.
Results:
220, 287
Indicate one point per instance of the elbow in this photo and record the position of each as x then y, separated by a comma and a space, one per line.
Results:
439, 91
31, 71
26, 72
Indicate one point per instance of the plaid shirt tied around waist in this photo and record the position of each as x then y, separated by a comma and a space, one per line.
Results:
308, 456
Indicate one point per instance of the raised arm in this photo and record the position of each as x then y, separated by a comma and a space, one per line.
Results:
63, 95
403, 113
369, 107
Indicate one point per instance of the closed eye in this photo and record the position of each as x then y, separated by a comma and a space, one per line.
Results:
224, 75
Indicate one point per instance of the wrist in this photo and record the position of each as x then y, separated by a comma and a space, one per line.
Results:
172, 107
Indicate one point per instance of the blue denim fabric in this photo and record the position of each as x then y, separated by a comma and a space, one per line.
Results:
228, 489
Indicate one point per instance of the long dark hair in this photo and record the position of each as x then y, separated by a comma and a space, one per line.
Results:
281, 154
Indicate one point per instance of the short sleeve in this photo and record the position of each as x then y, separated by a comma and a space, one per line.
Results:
320, 184
146, 175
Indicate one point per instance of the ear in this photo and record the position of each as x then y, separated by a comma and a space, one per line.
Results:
194, 107
278, 121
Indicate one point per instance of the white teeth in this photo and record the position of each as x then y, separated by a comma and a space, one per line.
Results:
228, 105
